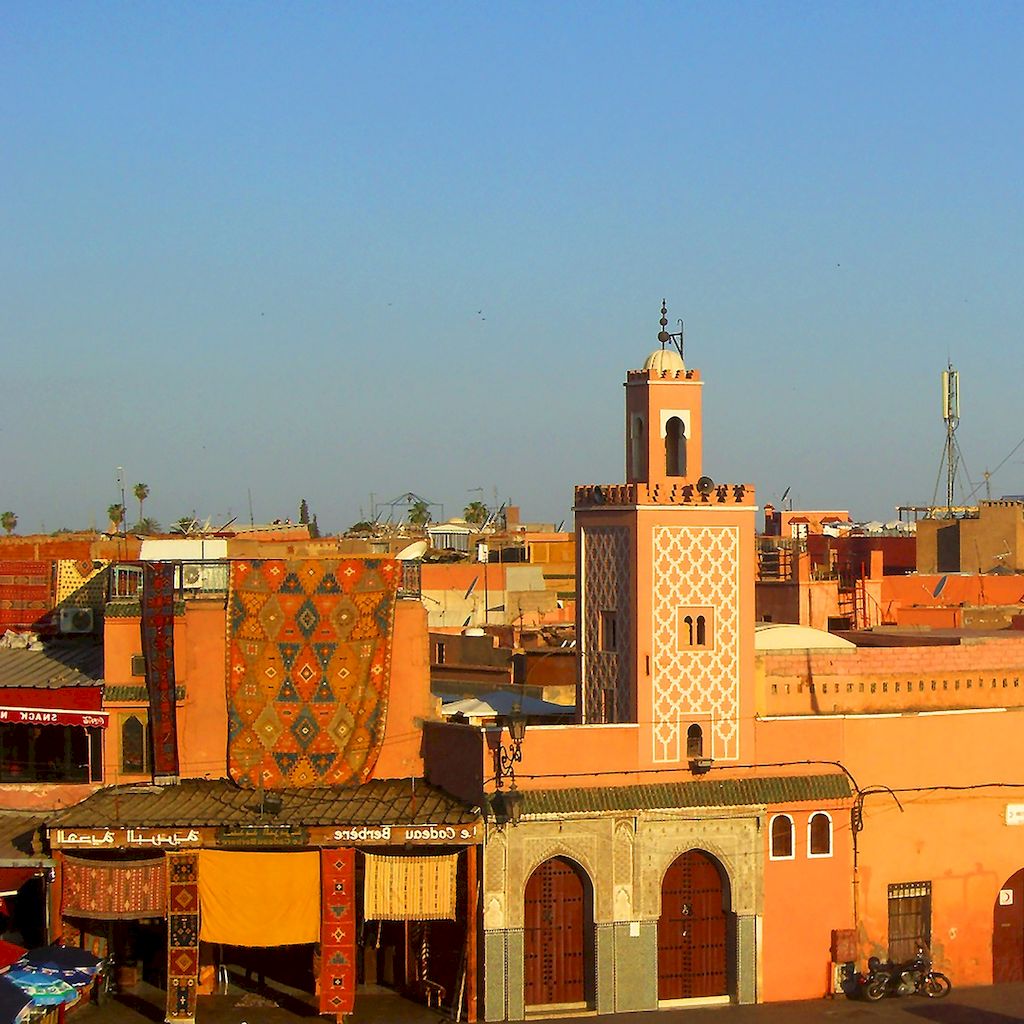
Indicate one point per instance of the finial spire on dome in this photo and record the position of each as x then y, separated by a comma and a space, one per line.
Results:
665, 337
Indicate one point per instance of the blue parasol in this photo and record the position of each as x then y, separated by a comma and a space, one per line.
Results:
63, 958
42, 987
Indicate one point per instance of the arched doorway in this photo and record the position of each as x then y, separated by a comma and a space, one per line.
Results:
1008, 931
558, 945
693, 929
675, 447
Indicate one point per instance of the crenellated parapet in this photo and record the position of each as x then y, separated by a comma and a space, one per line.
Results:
594, 495
654, 373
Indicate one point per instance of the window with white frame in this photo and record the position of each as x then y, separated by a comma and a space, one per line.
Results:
819, 835
781, 833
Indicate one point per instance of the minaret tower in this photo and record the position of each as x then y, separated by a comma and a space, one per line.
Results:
665, 566
663, 415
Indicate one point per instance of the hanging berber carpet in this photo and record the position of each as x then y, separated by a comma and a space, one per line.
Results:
338, 931
309, 658
182, 935
113, 890
157, 625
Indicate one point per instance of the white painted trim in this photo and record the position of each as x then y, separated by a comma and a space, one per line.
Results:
682, 414
792, 829
664, 1004
831, 836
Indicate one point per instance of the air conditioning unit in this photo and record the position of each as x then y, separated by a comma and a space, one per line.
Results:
192, 577
76, 620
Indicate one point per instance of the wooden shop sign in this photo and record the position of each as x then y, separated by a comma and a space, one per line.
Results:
397, 835
262, 835
122, 838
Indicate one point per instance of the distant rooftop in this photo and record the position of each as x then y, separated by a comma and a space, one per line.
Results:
54, 666
786, 636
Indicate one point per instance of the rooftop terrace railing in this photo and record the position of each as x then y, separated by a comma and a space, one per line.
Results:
190, 579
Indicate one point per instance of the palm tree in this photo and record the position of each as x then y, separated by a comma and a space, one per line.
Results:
147, 526
141, 494
184, 524
476, 513
116, 515
419, 513
9, 521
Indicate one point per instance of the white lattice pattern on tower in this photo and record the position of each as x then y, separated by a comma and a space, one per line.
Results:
695, 566
607, 579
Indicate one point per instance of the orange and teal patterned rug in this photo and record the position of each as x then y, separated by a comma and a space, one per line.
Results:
309, 658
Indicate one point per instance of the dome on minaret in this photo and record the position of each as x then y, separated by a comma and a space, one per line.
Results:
665, 359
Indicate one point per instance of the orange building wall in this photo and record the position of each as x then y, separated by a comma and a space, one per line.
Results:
899, 594
199, 665
44, 796
203, 718
409, 701
957, 838
460, 576
796, 905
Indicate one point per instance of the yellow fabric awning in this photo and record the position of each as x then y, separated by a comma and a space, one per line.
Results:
410, 888
259, 899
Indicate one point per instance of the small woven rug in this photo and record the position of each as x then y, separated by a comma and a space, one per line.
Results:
251, 999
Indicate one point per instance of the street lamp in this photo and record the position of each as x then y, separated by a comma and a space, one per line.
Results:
509, 805
508, 757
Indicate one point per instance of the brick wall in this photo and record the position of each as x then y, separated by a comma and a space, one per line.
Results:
979, 673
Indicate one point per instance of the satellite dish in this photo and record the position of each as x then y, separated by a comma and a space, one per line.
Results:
705, 485
940, 586
413, 552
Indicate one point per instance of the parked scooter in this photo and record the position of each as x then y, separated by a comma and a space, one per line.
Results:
913, 977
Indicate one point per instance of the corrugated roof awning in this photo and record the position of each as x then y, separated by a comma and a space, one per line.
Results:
57, 665
195, 803
747, 792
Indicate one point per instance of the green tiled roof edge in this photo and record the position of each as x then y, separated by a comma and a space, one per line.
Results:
782, 789
131, 609
130, 692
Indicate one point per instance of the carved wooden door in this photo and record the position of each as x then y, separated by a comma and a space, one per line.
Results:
554, 935
692, 932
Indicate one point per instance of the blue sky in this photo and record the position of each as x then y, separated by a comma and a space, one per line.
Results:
243, 248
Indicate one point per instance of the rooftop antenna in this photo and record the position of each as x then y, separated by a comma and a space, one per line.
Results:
252, 522
124, 508
951, 417
663, 335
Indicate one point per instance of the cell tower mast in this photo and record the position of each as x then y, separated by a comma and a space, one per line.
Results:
951, 416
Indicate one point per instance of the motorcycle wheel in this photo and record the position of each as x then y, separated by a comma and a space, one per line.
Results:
936, 985
875, 989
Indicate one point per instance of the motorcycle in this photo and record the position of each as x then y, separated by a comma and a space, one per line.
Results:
914, 977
